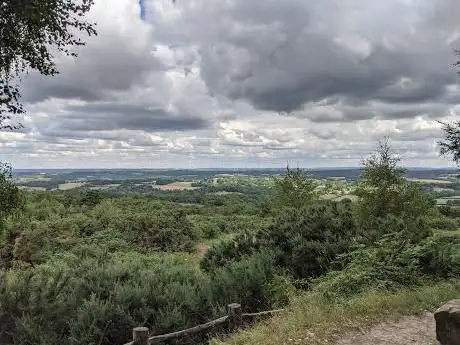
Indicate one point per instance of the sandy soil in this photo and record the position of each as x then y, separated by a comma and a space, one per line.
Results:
419, 330
202, 248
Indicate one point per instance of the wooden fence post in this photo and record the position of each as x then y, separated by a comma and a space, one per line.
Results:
235, 316
141, 336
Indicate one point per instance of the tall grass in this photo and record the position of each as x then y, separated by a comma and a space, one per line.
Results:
314, 319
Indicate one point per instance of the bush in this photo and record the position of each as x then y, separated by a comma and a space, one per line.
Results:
247, 281
440, 256
443, 223
164, 181
89, 197
394, 262
166, 230
305, 242
98, 297
390, 264
226, 252
449, 211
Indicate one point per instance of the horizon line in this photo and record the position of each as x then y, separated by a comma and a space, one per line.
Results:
230, 168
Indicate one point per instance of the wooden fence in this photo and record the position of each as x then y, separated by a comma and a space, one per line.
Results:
235, 318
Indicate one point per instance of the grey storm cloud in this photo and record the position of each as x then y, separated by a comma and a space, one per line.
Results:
110, 65
113, 116
281, 55
342, 111
316, 69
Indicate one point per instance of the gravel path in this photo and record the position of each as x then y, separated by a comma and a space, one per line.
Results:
419, 330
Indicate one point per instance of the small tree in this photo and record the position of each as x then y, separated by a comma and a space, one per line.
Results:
30, 32
10, 197
451, 143
295, 188
385, 193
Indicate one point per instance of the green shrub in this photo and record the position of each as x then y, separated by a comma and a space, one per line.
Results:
11, 197
246, 281
96, 297
394, 262
165, 230
226, 252
305, 242
449, 211
443, 222
164, 181
440, 256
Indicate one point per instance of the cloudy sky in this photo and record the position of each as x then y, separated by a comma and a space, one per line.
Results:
246, 83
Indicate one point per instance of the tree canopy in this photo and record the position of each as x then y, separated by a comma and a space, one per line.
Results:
11, 197
31, 33
451, 143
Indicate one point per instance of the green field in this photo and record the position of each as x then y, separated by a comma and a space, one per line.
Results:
70, 185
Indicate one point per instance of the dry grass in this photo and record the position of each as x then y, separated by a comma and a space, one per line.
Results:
316, 320
431, 181
176, 186
71, 185
32, 188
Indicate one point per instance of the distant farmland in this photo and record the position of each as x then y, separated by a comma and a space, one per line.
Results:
176, 186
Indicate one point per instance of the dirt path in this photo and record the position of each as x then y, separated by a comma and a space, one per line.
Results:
417, 330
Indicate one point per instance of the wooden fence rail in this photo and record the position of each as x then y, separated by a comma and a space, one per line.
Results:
235, 318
